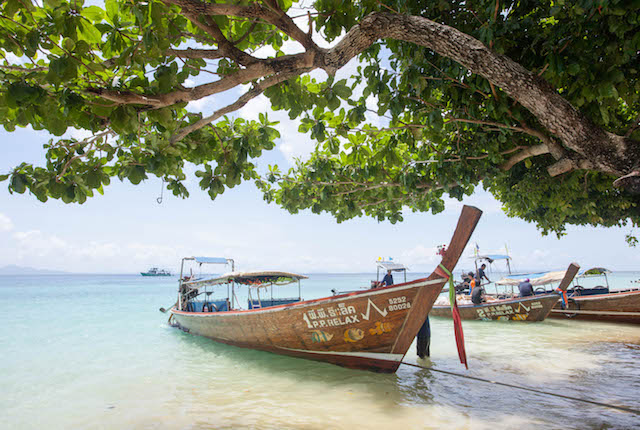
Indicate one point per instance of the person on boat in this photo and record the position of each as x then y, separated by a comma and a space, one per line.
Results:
481, 274
387, 280
526, 289
477, 293
472, 284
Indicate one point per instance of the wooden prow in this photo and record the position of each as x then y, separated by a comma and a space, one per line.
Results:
423, 301
571, 273
466, 225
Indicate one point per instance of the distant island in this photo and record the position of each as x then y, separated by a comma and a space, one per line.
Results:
12, 269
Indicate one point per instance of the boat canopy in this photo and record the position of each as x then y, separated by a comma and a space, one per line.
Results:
211, 260
254, 279
595, 271
390, 265
492, 257
535, 278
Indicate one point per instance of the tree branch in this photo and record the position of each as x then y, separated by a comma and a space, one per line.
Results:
257, 89
273, 15
567, 164
298, 63
210, 54
530, 151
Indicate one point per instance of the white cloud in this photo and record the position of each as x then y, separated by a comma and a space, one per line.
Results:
34, 243
5, 223
204, 105
38, 249
296, 145
420, 255
255, 107
14, 59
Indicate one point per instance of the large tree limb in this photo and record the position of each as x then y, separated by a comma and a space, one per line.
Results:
610, 153
299, 63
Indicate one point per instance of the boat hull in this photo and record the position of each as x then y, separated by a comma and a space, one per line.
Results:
369, 330
623, 307
535, 308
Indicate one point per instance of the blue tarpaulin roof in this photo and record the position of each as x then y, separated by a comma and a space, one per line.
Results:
211, 260
390, 265
492, 257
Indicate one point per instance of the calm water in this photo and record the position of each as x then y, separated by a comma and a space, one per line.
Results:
93, 352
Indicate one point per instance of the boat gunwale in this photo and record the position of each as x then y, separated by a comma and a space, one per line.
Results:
500, 302
340, 297
605, 295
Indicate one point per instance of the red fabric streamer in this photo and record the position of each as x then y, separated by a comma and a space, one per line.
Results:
457, 321
457, 328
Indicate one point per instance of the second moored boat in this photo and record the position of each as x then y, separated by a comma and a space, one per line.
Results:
508, 306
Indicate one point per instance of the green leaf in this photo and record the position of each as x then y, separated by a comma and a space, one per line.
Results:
18, 183
93, 13
89, 33
573, 69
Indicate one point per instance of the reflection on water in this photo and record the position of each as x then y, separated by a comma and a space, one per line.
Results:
95, 353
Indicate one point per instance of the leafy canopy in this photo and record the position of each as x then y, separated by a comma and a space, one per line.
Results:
408, 128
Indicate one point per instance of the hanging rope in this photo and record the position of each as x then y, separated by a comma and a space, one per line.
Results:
159, 199
532, 390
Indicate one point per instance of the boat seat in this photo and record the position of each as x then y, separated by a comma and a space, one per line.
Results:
222, 305
271, 302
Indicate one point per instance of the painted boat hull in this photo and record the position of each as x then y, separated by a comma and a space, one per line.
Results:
155, 274
535, 308
623, 307
369, 330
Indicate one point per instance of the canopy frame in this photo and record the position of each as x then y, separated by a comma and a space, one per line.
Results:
390, 265
201, 261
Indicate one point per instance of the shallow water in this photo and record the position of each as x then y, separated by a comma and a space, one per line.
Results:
93, 352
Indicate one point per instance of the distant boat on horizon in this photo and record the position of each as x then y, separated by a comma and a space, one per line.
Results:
154, 271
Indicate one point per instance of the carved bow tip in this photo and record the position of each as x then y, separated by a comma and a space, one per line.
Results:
630, 182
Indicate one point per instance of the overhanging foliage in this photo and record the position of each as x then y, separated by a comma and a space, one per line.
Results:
539, 101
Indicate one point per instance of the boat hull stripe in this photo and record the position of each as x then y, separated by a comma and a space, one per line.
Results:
361, 354
620, 313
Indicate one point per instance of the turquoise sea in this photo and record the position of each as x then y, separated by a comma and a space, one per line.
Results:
94, 352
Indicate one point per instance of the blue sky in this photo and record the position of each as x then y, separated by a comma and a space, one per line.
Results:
126, 230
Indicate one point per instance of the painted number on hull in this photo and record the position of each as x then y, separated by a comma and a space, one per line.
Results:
495, 311
398, 303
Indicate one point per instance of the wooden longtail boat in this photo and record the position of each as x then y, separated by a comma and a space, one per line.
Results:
600, 303
531, 308
370, 329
